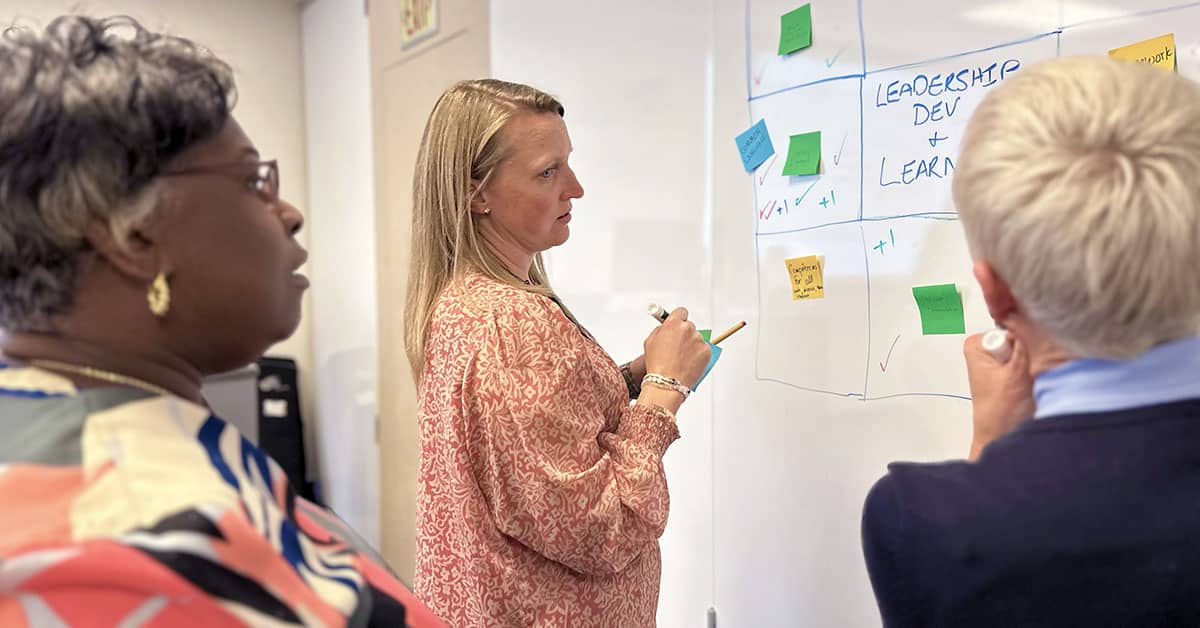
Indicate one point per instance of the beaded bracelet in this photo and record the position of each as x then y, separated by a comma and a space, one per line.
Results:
668, 383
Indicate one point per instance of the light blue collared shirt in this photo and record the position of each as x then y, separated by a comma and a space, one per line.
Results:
1166, 373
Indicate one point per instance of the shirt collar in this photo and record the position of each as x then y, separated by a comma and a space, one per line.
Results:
1166, 373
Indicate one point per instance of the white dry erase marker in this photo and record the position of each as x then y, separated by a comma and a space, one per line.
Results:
659, 312
996, 343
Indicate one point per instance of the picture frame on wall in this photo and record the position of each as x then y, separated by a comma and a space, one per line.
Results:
419, 21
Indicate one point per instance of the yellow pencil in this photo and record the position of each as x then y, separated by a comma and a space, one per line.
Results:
729, 332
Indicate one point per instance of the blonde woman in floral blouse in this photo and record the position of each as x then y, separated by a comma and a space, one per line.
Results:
542, 492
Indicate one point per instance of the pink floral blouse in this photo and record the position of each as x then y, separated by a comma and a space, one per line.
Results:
542, 493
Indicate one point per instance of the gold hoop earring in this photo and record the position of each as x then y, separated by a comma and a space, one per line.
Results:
159, 296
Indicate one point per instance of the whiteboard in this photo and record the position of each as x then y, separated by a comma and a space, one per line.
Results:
813, 399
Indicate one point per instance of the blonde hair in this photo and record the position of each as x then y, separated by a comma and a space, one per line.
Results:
1079, 182
462, 142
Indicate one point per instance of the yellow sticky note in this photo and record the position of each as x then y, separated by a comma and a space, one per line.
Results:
1158, 52
808, 277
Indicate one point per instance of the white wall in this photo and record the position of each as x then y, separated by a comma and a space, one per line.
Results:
341, 217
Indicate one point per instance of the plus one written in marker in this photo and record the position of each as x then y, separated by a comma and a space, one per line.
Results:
882, 243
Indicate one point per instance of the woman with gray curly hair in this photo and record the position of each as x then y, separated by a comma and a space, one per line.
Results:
143, 245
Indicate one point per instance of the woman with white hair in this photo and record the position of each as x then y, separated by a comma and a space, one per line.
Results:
542, 490
1078, 188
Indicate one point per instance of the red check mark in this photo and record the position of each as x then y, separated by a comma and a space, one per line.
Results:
758, 76
765, 171
888, 359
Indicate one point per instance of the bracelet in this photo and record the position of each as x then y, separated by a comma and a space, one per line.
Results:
683, 390
667, 383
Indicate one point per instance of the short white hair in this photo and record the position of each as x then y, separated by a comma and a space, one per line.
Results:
1079, 183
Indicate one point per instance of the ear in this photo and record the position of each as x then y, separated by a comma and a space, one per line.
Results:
141, 259
478, 198
1002, 305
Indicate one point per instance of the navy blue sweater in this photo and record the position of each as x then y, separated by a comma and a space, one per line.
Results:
1078, 520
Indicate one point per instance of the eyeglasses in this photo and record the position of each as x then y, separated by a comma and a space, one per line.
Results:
264, 181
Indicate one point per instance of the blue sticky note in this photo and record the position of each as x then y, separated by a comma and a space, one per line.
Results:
716, 353
755, 145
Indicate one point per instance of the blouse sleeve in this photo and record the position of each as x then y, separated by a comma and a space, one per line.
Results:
554, 480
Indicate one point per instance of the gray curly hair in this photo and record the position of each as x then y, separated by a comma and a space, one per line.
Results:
91, 110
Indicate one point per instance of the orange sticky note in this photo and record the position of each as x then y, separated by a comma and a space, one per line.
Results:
1158, 52
807, 277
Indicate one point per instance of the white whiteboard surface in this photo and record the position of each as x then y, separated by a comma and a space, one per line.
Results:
813, 399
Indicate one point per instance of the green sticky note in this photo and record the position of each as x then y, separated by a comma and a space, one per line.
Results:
706, 334
804, 155
941, 309
795, 30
